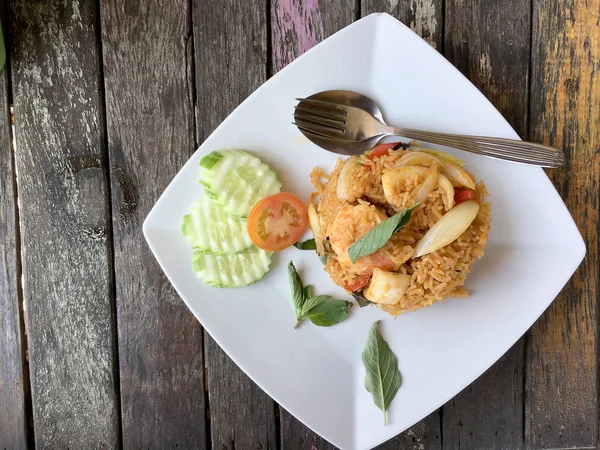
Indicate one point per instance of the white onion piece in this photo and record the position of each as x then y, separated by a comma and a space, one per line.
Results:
386, 288
458, 175
448, 190
416, 158
313, 220
448, 168
341, 184
402, 173
428, 185
452, 224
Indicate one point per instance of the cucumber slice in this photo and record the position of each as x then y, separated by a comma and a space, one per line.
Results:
237, 180
234, 270
211, 230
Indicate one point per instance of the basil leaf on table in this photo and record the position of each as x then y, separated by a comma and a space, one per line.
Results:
324, 311
380, 234
382, 378
309, 244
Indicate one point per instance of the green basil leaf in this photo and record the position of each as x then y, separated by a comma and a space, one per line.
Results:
324, 311
380, 234
309, 244
308, 292
361, 300
296, 288
382, 378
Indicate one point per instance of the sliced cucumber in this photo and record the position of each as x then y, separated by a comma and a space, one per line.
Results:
234, 270
211, 230
237, 180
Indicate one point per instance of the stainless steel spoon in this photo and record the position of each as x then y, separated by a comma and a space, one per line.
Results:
348, 123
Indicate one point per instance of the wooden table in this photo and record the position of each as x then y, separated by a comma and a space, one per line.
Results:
112, 97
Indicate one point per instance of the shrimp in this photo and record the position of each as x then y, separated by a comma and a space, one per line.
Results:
350, 224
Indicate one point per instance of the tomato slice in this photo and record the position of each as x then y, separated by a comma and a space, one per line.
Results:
359, 283
462, 195
277, 221
381, 150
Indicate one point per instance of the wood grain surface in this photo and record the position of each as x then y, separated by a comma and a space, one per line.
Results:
67, 275
150, 121
12, 382
424, 17
111, 98
490, 44
231, 62
562, 365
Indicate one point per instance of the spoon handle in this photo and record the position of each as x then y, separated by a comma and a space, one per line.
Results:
500, 148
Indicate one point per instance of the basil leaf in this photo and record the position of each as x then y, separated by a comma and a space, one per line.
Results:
382, 378
361, 300
323, 259
297, 290
380, 234
309, 244
308, 292
324, 311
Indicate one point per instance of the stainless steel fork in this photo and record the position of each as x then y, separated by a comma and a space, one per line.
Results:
351, 127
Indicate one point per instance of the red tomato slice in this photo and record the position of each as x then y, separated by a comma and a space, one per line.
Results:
277, 221
381, 150
359, 283
462, 195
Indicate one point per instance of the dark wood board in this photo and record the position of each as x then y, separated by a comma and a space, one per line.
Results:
424, 17
297, 26
150, 124
12, 381
562, 363
230, 63
65, 233
490, 44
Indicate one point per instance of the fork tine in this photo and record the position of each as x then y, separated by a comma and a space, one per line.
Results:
317, 127
320, 112
330, 106
316, 133
320, 120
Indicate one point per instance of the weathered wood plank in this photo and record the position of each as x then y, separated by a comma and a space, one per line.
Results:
489, 43
424, 17
150, 123
231, 62
12, 382
297, 26
562, 400
64, 223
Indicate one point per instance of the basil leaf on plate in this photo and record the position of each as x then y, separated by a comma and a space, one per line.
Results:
309, 244
297, 289
380, 234
308, 291
382, 378
324, 311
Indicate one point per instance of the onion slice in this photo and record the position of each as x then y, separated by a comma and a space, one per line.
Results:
341, 192
452, 224
448, 190
428, 185
448, 168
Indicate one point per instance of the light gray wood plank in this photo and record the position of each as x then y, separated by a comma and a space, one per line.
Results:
150, 123
65, 237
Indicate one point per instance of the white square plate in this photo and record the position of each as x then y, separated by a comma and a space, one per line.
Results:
316, 373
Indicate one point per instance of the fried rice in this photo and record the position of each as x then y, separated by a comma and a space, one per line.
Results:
433, 277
